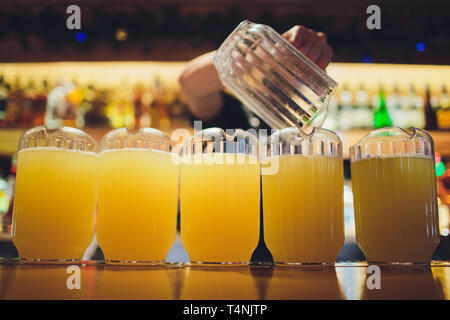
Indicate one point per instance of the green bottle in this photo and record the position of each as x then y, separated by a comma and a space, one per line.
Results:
381, 116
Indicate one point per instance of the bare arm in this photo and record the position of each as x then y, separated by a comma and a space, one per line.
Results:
201, 85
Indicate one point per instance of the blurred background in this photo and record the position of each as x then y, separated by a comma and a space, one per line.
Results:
122, 67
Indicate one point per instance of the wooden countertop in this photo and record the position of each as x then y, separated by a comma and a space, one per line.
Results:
181, 281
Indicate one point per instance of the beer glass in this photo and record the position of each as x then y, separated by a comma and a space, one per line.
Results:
303, 206
394, 187
55, 195
138, 197
219, 196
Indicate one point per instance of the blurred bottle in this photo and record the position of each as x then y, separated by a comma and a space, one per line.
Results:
138, 93
395, 109
430, 112
443, 114
145, 119
346, 121
15, 99
120, 107
331, 122
74, 116
364, 111
177, 108
415, 112
381, 116
27, 106
96, 115
87, 103
40, 101
55, 110
4, 92
157, 102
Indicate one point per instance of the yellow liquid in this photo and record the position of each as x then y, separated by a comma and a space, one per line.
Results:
137, 207
54, 203
303, 209
395, 208
220, 209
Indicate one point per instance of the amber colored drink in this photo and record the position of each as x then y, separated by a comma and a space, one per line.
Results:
137, 207
220, 208
396, 214
303, 209
54, 203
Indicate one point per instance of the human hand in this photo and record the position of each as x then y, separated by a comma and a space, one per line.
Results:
312, 44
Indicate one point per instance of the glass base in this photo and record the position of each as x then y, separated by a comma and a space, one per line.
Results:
304, 264
135, 263
220, 264
50, 261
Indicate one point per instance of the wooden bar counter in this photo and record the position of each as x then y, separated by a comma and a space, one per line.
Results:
184, 282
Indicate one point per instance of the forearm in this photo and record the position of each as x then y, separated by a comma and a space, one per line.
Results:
201, 85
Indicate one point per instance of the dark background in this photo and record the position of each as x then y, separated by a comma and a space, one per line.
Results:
35, 30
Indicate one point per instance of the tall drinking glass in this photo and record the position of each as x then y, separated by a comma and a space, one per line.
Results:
303, 206
138, 197
394, 187
55, 195
219, 197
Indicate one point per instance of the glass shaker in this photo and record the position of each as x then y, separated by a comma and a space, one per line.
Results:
394, 187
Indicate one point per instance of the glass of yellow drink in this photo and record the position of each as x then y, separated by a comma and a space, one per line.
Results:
55, 195
303, 206
219, 197
394, 187
138, 197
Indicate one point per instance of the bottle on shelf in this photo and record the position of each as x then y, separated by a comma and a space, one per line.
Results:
394, 107
138, 92
55, 110
430, 112
443, 114
87, 103
4, 92
40, 101
96, 115
15, 99
345, 119
74, 116
330, 122
416, 113
364, 113
120, 107
27, 106
381, 116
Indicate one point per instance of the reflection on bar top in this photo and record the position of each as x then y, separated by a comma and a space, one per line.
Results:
180, 281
